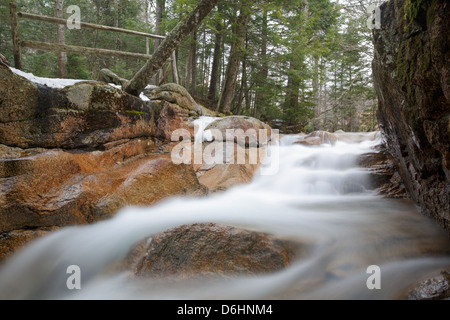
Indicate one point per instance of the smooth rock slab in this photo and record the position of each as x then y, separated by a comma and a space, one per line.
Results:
60, 188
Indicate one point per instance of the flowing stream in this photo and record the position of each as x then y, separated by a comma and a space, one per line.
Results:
318, 197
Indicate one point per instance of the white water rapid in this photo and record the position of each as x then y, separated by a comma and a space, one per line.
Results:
319, 197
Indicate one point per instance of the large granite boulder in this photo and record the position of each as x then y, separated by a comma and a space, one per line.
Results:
176, 106
238, 148
211, 249
245, 131
85, 115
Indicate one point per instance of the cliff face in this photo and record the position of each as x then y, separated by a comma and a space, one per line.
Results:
411, 71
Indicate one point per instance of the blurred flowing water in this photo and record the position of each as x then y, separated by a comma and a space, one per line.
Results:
318, 197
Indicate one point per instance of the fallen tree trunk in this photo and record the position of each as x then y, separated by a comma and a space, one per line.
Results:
168, 46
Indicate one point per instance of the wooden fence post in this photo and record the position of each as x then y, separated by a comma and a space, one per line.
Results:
18, 44
15, 36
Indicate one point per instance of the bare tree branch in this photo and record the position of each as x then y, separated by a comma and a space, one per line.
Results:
189, 23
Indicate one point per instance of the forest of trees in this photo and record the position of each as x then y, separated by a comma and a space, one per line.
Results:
301, 64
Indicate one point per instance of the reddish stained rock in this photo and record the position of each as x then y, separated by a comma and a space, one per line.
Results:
175, 106
209, 249
239, 166
172, 117
78, 154
11, 241
58, 188
153, 179
224, 176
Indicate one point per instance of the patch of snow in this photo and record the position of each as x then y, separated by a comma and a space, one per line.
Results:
143, 97
201, 134
62, 83
117, 86
49, 82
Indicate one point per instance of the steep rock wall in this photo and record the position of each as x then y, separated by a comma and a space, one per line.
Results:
411, 71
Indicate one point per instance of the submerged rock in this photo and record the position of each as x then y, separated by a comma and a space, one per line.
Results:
356, 137
384, 174
210, 249
11, 241
435, 288
317, 138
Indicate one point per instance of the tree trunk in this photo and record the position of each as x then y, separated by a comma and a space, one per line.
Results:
187, 82
315, 87
263, 74
205, 57
189, 23
62, 56
215, 69
147, 23
193, 64
236, 54
243, 83
116, 22
160, 7
292, 92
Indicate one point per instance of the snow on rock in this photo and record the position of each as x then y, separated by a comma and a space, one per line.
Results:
202, 123
49, 82
62, 83
143, 97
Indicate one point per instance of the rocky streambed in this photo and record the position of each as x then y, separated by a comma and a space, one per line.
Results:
87, 178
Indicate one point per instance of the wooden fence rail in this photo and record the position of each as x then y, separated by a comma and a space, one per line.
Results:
83, 50
18, 44
36, 17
